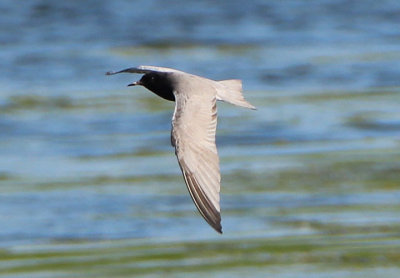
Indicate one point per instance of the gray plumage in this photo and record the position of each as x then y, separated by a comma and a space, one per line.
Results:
194, 124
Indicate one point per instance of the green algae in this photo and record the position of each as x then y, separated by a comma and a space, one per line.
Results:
131, 257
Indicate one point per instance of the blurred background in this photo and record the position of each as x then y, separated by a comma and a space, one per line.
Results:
89, 184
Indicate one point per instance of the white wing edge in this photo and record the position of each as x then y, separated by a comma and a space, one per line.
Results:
144, 69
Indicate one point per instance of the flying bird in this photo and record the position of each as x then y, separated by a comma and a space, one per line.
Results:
194, 124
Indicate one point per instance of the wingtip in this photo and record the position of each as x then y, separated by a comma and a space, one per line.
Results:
218, 227
110, 72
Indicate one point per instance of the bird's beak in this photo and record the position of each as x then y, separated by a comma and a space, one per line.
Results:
135, 83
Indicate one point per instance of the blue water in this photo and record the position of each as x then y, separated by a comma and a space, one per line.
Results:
62, 48
82, 157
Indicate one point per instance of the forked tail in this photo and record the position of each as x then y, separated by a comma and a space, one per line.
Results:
231, 91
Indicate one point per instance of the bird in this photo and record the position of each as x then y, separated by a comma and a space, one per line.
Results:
194, 124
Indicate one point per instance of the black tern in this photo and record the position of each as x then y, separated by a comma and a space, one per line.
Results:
194, 124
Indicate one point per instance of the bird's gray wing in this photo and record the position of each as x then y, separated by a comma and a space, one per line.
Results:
193, 136
144, 69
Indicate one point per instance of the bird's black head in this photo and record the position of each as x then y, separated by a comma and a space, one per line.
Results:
159, 83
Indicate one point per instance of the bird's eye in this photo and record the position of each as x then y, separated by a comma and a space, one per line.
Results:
152, 78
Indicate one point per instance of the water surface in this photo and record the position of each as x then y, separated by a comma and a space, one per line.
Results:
90, 187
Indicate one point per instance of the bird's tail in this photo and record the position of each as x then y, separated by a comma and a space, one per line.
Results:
231, 91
